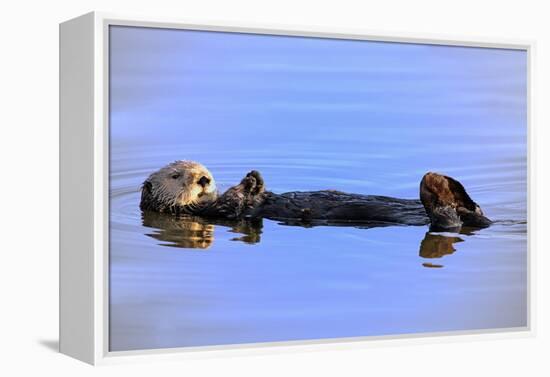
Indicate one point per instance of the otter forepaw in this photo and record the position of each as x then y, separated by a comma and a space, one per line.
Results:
253, 183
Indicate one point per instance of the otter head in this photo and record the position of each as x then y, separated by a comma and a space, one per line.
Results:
179, 187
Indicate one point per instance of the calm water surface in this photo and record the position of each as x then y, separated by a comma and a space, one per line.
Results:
313, 114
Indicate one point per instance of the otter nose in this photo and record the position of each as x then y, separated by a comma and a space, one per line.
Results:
203, 181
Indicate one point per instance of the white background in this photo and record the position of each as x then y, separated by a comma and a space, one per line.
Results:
29, 184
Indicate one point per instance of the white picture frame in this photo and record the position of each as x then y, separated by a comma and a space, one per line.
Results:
84, 189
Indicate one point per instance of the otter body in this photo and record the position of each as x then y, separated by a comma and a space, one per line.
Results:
335, 206
188, 187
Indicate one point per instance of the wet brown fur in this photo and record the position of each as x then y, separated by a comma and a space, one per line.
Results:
443, 197
441, 190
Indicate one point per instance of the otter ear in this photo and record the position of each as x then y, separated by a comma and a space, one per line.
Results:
146, 190
147, 187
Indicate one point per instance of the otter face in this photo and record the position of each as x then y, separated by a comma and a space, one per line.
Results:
182, 186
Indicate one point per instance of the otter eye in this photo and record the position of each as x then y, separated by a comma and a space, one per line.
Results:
176, 175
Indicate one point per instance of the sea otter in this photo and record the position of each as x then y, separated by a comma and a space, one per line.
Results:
187, 187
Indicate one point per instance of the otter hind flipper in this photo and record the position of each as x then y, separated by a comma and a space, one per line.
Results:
447, 203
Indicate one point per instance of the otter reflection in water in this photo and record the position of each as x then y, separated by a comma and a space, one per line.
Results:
194, 232
438, 245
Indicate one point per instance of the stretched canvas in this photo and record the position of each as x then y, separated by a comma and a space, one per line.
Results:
312, 114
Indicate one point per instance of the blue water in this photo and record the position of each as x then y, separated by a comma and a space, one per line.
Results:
309, 114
